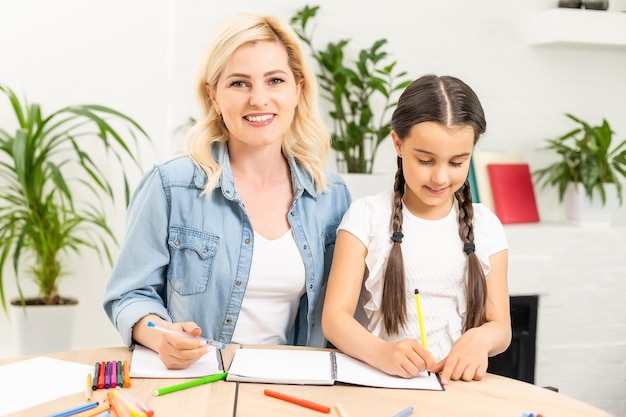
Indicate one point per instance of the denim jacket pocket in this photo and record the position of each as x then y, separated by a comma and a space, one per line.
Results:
191, 259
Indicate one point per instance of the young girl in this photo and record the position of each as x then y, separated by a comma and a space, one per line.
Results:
426, 235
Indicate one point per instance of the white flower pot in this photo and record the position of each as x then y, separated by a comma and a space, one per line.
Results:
580, 209
42, 328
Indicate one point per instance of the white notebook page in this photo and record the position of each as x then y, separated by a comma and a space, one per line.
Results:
145, 363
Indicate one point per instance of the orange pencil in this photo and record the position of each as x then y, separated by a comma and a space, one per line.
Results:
135, 406
298, 401
117, 404
126, 372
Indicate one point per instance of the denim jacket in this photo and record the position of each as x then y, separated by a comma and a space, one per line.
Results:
186, 257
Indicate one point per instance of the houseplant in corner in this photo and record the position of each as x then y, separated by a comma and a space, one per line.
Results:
52, 202
361, 94
589, 171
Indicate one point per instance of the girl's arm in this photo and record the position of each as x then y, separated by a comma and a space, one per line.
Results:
406, 358
469, 356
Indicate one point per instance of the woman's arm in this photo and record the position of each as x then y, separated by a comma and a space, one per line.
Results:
406, 358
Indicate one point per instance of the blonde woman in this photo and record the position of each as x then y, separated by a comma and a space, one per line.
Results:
233, 239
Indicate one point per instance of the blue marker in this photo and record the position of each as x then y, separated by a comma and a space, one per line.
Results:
405, 412
165, 329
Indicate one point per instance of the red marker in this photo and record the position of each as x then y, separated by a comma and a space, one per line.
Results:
299, 401
101, 375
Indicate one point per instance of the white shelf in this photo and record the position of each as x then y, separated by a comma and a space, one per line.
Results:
563, 26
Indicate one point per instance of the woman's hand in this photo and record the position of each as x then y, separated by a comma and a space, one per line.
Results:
468, 359
406, 358
175, 351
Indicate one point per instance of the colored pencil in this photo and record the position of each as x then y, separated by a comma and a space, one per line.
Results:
189, 384
76, 410
298, 401
89, 387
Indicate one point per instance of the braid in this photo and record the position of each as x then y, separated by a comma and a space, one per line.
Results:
393, 303
476, 288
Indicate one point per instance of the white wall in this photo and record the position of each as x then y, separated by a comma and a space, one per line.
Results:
140, 57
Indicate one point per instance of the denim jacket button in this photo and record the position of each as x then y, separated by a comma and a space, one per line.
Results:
247, 241
228, 321
238, 283
177, 243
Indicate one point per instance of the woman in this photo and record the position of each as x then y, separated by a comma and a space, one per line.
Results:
233, 240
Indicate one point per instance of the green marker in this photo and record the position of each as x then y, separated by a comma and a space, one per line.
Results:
195, 382
120, 375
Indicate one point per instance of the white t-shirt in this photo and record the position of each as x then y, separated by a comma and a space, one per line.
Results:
434, 263
275, 286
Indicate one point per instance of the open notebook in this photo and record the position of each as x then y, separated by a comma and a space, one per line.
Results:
145, 363
315, 367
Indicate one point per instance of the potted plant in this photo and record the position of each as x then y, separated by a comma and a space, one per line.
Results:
589, 166
360, 94
54, 191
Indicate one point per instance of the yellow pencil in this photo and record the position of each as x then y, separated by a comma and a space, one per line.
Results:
420, 318
89, 387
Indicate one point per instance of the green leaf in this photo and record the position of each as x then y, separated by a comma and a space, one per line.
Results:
586, 159
359, 92
50, 183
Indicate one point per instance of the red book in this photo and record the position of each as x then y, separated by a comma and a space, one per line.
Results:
513, 193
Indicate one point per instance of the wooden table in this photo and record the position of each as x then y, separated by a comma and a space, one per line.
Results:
494, 396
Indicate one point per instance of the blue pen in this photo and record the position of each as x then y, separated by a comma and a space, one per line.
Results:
76, 410
166, 329
405, 412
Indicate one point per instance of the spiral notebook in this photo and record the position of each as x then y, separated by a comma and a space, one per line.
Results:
317, 367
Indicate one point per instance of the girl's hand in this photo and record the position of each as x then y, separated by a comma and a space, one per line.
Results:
406, 358
177, 351
468, 359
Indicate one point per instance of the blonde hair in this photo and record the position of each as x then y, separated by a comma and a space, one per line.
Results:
307, 140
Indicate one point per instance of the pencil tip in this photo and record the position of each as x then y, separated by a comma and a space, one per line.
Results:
417, 291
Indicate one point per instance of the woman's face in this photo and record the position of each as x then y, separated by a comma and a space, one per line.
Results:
435, 163
257, 94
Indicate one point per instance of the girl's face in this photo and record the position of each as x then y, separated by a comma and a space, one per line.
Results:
435, 161
257, 94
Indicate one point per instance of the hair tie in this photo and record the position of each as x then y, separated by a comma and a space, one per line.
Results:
469, 248
397, 237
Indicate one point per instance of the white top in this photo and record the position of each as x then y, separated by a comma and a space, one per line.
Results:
275, 286
434, 263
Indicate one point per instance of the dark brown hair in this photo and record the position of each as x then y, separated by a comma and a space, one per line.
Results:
449, 101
